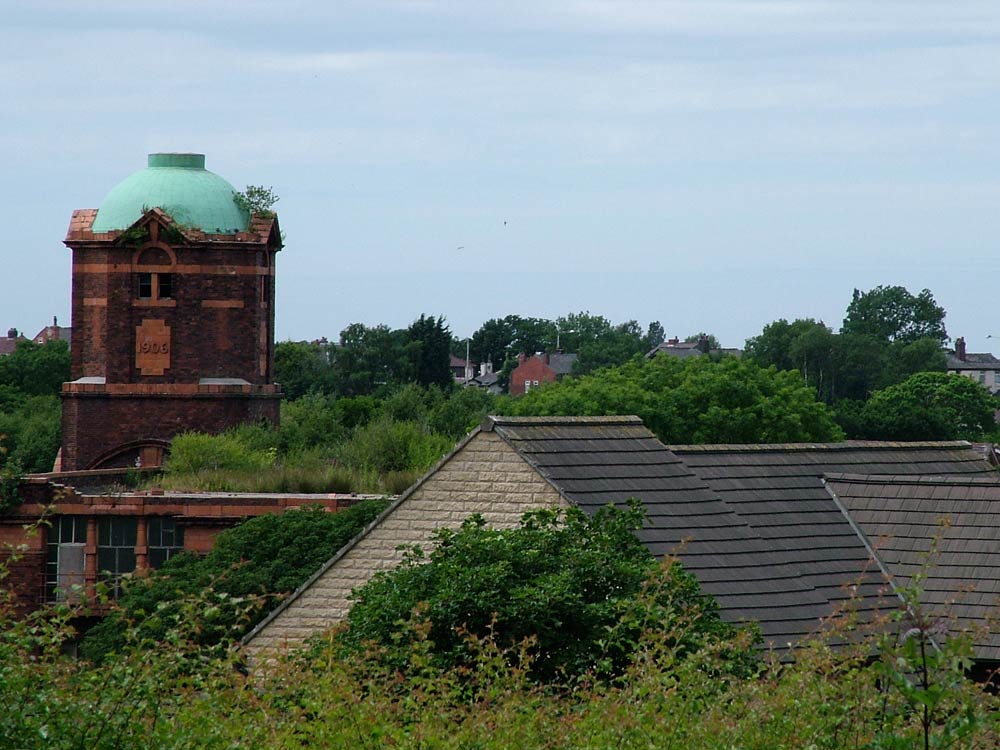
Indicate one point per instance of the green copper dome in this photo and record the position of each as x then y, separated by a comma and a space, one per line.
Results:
180, 185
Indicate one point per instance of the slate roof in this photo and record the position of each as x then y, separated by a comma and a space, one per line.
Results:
779, 491
561, 364
757, 524
594, 461
903, 516
972, 361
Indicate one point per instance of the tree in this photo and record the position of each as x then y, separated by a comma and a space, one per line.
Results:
561, 579
655, 335
256, 199
891, 313
428, 344
693, 400
928, 406
36, 369
251, 567
303, 368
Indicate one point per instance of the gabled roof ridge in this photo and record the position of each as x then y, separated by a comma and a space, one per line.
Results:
499, 421
843, 445
950, 480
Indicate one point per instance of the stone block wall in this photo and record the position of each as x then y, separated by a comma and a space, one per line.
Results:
486, 476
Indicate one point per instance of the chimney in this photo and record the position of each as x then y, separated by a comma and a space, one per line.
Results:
673, 342
703, 344
11, 333
55, 322
960, 348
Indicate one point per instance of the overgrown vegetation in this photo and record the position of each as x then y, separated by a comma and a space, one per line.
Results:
571, 593
169, 692
250, 568
256, 199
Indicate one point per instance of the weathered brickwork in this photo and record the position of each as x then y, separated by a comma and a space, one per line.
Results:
486, 476
160, 308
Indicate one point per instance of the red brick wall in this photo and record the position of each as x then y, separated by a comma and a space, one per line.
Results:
94, 424
531, 369
220, 316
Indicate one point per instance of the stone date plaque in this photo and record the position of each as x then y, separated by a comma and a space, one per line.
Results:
152, 347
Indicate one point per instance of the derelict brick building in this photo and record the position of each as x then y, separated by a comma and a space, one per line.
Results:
173, 316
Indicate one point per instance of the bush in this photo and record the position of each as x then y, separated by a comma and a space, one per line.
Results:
194, 452
251, 567
386, 445
563, 582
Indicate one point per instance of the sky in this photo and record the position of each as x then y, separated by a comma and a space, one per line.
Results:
711, 164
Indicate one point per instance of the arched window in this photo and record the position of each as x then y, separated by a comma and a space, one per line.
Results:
154, 277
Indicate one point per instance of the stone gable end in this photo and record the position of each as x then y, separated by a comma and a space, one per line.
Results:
486, 476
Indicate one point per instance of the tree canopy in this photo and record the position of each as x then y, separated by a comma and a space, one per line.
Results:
891, 313
562, 581
693, 400
927, 406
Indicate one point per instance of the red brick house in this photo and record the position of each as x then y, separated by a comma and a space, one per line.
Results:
532, 371
173, 316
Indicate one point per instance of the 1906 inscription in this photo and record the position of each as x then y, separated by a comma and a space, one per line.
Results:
152, 347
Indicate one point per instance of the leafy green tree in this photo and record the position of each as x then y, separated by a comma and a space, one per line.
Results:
36, 369
694, 400
30, 432
655, 335
928, 406
303, 367
561, 581
250, 568
370, 360
428, 342
891, 313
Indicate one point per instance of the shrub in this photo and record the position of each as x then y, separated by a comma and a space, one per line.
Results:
251, 567
385, 445
193, 452
564, 582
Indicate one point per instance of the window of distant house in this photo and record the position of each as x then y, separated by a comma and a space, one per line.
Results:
165, 539
116, 538
64, 564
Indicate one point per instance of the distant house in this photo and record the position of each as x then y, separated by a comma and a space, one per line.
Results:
684, 349
54, 332
462, 370
486, 379
781, 535
533, 371
10, 342
982, 367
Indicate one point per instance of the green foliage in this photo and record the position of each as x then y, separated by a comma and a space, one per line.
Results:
891, 313
193, 452
385, 445
256, 199
927, 406
849, 365
30, 431
251, 567
303, 368
694, 400
562, 582
36, 369
428, 345
175, 694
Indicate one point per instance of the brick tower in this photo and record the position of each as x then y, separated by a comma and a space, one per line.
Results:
173, 316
